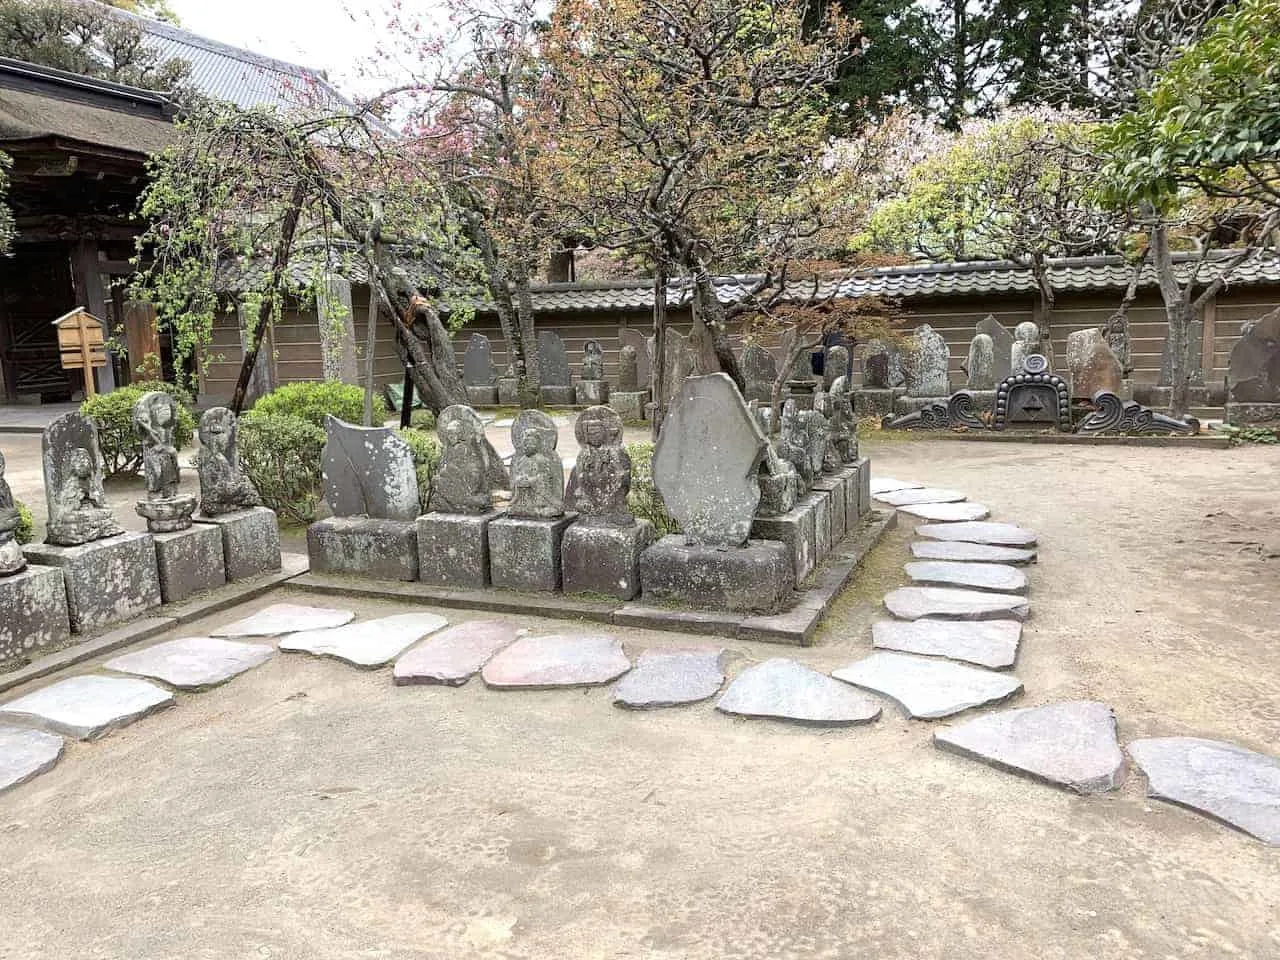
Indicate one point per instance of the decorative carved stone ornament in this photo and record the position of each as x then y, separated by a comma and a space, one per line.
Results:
1033, 397
960, 410
1118, 416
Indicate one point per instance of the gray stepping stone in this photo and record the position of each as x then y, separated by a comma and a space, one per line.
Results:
1071, 744
285, 618
667, 678
970, 552
782, 689
947, 512
998, 534
88, 707
975, 576
912, 603
988, 643
902, 498
928, 689
25, 754
453, 656
545, 663
193, 663
889, 484
1233, 785
368, 644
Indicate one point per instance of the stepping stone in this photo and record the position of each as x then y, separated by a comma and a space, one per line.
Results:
1071, 744
988, 643
970, 552
193, 663
785, 690
912, 603
285, 618
902, 498
368, 644
947, 512
889, 484
667, 678
928, 689
88, 707
998, 534
976, 576
545, 663
453, 656
25, 754
1220, 780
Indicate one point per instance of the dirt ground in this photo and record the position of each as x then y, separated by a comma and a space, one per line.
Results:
308, 810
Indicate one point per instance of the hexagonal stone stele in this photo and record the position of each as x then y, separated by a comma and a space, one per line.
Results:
666, 678
541, 663
25, 754
928, 689
454, 655
369, 643
193, 663
782, 689
88, 707
285, 618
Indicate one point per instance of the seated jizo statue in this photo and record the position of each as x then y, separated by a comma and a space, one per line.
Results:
223, 486
601, 479
537, 475
461, 484
12, 559
155, 416
73, 490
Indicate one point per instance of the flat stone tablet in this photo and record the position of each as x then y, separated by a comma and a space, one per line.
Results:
901, 498
193, 663
999, 534
453, 656
544, 663
667, 678
988, 643
976, 576
782, 689
970, 552
928, 689
1220, 780
369, 643
947, 512
1071, 744
285, 618
889, 484
88, 707
25, 754
912, 603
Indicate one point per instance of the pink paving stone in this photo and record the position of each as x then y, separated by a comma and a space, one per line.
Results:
454, 655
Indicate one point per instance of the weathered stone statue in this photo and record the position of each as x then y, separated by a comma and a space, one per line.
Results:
601, 480
836, 364
628, 369
842, 425
592, 360
223, 486
11, 558
1026, 343
779, 485
815, 429
1116, 332
793, 447
154, 417
73, 483
823, 405
537, 475
981, 365
461, 485
925, 367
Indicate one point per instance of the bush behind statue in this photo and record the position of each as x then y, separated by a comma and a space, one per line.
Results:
113, 414
26, 524
644, 500
310, 400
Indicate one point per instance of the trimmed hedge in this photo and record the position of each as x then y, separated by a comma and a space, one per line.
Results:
310, 400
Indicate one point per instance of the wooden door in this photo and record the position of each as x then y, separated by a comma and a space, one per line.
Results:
142, 340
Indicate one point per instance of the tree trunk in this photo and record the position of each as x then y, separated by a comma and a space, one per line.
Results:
434, 369
530, 383
716, 321
659, 363
516, 320
371, 339
1179, 313
1040, 271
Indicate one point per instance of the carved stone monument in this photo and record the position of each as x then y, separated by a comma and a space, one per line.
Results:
1001, 347
1253, 372
1026, 342
639, 342
792, 446
553, 368
11, 557
633, 385
925, 365
155, 416
981, 365
628, 369
479, 375
760, 369
591, 389
835, 364
1034, 397
1091, 366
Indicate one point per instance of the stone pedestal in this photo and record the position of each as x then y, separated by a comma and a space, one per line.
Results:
524, 554
833, 486
558, 396
591, 393
107, 580
755, 578
983, 401
486, 396
33, 612
604, 560
363, 547
1242, 414
629, 405
250, 542
802, 392
509, 391
864, 486
820, 502
877, 404
796, 530
189, 561
849, 476
453, 548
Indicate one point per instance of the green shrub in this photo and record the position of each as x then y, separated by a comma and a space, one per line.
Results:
311, 400
1252, 434
281, 455
644, 500
423, 420
426, 458
26, 523
113, 413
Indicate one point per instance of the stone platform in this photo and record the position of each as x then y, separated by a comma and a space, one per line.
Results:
250, 541
189, 561
33, 612
524, 553
591, 393
604, 560
453, 548
364, 547
558, 396
758, 577
629, 405
106, 580
796, 530
482, 396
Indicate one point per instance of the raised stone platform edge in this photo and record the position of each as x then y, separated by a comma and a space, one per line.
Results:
1201, 442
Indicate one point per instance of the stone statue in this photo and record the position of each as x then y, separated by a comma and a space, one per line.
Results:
835, 365
223, 486
601, 480
11, 557
592, 360
779, 485
537, 475
815, 433
980, 367
73, 483
842, 425
793, 446
461, 484
154, 417
823, 405
628, 369
1116, 332
1026, 343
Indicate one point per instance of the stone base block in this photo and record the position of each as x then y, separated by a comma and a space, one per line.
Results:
796, 530
509, 391
629, 405
189, 561
558, 396
106, 580
453, 548
250, 542
849, 476
483, 396
833, 485
1242, 414
755, 578
1159, 398
820, 502
605, 560
33, 612
876, 404
524, 554
864, 486
363, 547
591, 393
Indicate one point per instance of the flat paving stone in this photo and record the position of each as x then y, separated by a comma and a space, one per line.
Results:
997, 534
193, 663
1228, 783
889, 484
454, 656
988, 643
369, 643
912, 603
783, 689
88, 707
668, 678
545, 663
975, 576
902, 498
25, 754
928, 689
285, 618
1070, 744
970, 552
947, 512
